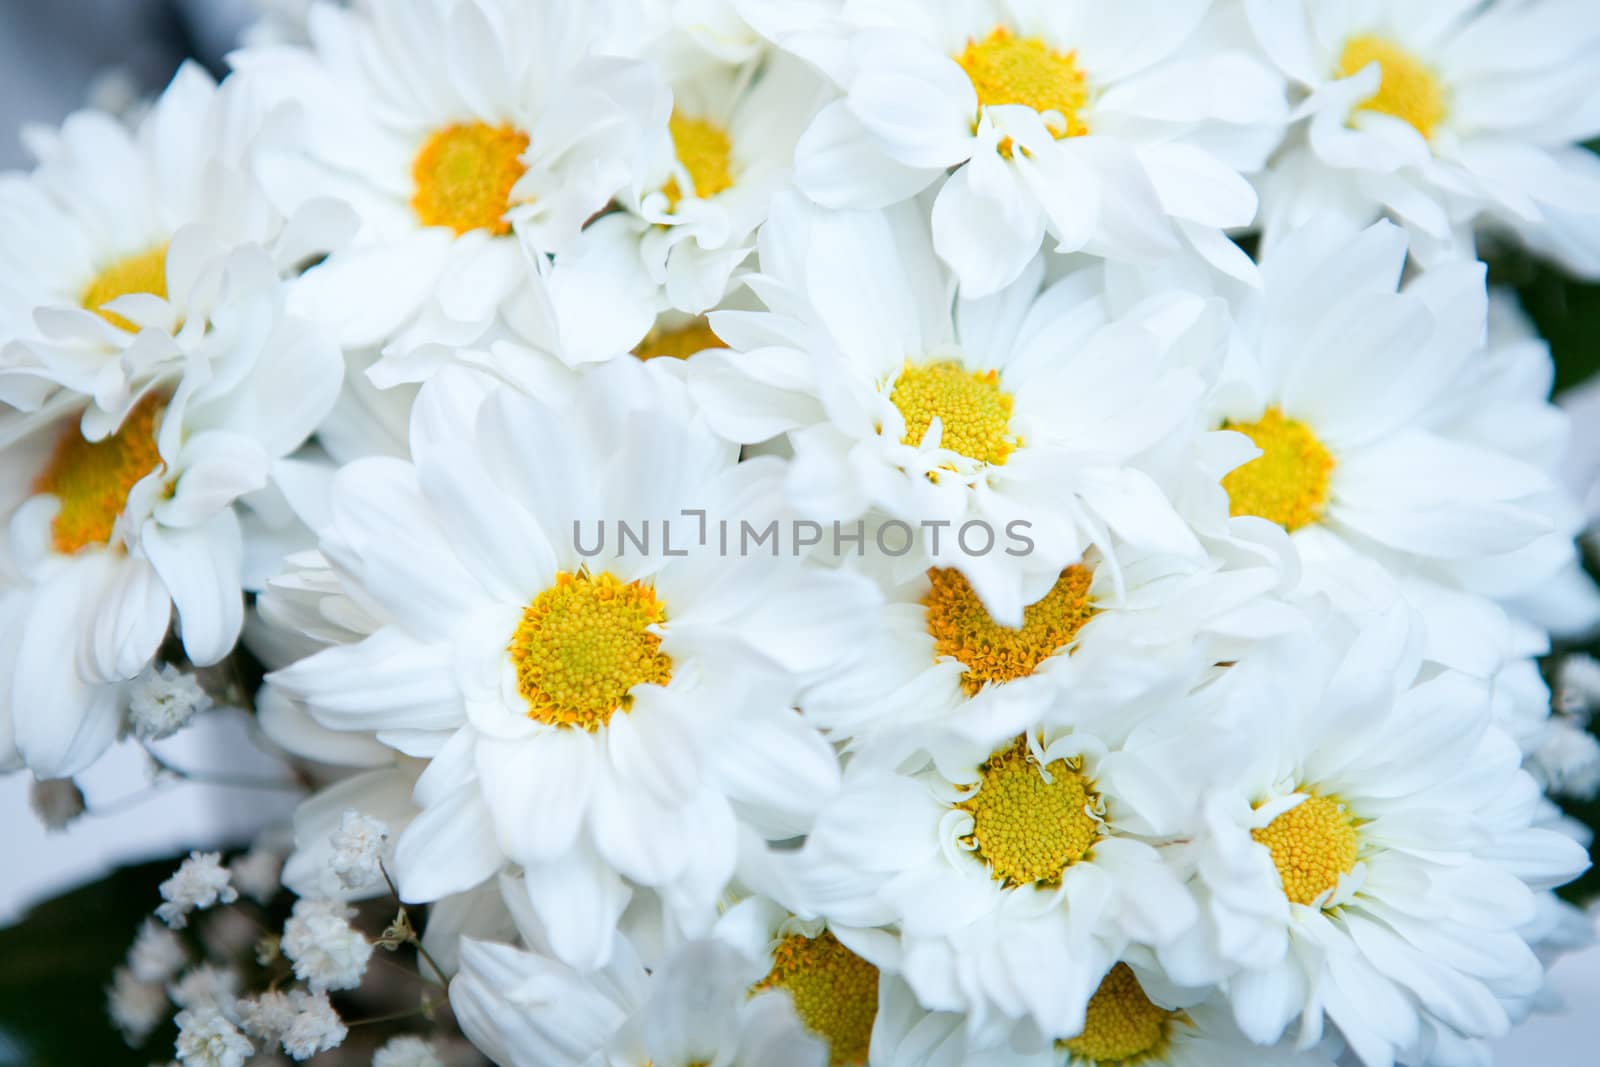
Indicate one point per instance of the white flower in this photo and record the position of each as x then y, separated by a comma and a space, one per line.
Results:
1445, 116
58, 802
328, 953
256, 874
358, 851
1567, 760
406, 1051
207, 986
605, 720
401, 97
162, 700
936, 660
314, 1027
1017, 871
1363, 455
200, 882
115, 244
157, 953
976, 423
267, 1015
1099, 125
136, 1006
711, 171
1366, 852
1578, 685
206, 1039
527, 1010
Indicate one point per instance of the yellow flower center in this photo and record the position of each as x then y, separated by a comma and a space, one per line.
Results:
681, 342
1286, 484
145, 272
1312, 844
464, 176
974, 413
1031, 823
583, 644
1408, 89
963, 630
1122, 1028
1007, 69
706, 153
835, 992
92, 479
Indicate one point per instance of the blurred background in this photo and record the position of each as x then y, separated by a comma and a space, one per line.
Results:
70, 902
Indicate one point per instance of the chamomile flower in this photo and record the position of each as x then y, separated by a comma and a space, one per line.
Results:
833, 988
120, 251
1016, 873
936, 660
604, 718
1025, 412
471, 137
528, 1010
110, 535
1370, 855
1363, 402
1448, 116
706, 181
1099, 125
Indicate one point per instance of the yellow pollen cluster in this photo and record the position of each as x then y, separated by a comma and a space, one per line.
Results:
464, 176
835, 992
1122, 1028
687, 340
92, 479
1286, 484
583, 644
706, 153
1312, 844
1408, 90
1007, 69
963, 630
145, 272
974, 413
1027, 829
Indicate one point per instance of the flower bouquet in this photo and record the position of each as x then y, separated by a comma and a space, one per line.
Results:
785, 533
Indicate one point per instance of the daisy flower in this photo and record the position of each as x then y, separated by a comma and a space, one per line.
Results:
705, 179
821, 968
1363, 403
936, 660
1111, 129
1016, 873
1445, 115
947, 415
1125, 1024
1369, 856
112, 251
604, 718
470, 136
108, 536
527, 1010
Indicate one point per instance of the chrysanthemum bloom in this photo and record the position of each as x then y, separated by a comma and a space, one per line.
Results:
528, 1010
1025, 407
472, 137
114, 252
1016, 872
1449, 116
936, 661
113, 534
1368, 854
1111, 128
606, 719
1363, 406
